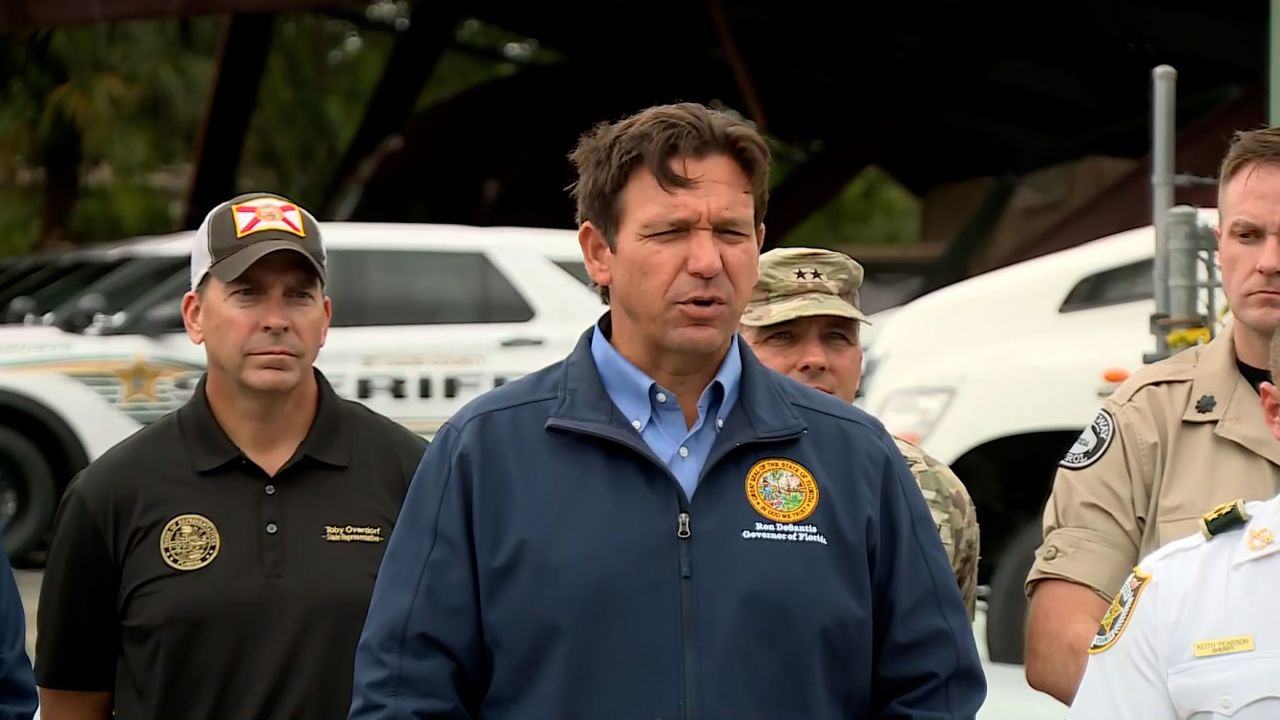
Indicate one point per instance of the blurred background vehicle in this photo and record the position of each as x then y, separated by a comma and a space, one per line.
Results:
932, 141
425, 318
997, 375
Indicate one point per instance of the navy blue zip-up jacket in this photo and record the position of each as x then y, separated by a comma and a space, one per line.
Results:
18, 699
547, 566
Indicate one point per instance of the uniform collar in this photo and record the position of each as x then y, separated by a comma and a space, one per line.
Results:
761, 411
210, 448
1261, 537
1220, 394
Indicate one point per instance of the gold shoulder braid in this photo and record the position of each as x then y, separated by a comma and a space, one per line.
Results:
1224, 517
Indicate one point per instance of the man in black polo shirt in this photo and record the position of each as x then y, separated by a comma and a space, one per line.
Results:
218, 564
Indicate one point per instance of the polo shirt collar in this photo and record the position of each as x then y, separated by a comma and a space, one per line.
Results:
210, 448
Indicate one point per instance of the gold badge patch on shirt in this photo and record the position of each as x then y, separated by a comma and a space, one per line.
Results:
782, 490
1120, 611
189, 542
1260, 538
1224, 646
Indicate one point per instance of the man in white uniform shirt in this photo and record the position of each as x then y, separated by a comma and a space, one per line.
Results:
1194, 632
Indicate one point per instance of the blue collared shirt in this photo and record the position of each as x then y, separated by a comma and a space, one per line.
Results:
655, 412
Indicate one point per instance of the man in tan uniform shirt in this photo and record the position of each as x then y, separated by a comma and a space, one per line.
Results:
1177, 438
802, 321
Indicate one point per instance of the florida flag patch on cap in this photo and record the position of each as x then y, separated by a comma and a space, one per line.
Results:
262, 214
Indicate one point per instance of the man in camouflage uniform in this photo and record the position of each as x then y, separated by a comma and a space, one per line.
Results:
802, 321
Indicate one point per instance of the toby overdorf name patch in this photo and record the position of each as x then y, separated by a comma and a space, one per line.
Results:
352, 533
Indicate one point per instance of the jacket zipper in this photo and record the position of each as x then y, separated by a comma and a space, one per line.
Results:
684, 530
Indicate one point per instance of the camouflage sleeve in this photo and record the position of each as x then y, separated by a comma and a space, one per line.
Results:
953, 513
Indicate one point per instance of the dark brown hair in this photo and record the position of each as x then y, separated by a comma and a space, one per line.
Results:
609, 153
1249, 147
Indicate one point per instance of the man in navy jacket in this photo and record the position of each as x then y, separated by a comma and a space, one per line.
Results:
659, 526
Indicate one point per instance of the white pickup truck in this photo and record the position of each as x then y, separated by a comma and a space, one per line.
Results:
998, 375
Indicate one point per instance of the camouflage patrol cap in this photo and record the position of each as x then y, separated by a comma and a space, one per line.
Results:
804, 282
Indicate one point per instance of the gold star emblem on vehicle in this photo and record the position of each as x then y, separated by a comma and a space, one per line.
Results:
138, 381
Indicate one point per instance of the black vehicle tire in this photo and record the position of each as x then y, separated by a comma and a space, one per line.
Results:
1007, 604
25, 471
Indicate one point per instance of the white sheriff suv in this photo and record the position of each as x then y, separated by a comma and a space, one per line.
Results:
999, 375
425, 317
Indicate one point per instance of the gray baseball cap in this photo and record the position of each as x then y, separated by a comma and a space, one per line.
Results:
246, 228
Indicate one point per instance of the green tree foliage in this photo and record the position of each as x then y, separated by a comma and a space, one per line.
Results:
94, 128
99, 123
482, 53
320, 73
872, 209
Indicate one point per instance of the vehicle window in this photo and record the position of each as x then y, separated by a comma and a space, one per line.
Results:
16, 270
129, 281
160, 304
576, 269
168, 316
1127, 283
59, 291
37, 280
391, 287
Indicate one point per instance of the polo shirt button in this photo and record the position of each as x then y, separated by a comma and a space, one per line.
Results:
662, 397
635, 424
271, 528
684, 452
270, 489
719, 423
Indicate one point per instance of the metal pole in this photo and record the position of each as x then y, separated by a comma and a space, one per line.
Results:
1165, 79
1273, 64
1210, 246
1184, 257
